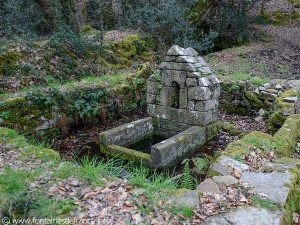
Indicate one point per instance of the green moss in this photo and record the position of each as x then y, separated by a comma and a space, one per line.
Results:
260, 140
9, 63
293, 200
212, 130
133, 47
230, 128
254, 100
264, 203
287, 136
238, 148
126, 154
29, 151
277, 117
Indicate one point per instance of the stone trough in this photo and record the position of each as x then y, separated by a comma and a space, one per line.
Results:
182, 105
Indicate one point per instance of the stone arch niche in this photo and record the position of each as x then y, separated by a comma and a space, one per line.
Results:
183, 92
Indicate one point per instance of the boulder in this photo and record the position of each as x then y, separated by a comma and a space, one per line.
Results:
208, 186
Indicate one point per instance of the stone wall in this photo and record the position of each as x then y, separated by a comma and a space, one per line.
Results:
183, 92
243, 97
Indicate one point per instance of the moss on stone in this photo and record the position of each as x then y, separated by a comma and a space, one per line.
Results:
230, 128
238, 148
254, 100
293, 201
212, 130
126, 154
260, 140
287, 136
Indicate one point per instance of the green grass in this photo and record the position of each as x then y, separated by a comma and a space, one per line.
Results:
184, 210
264, 203
66, 170
96, 172
151, 180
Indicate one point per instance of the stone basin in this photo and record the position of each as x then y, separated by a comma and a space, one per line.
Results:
163, 154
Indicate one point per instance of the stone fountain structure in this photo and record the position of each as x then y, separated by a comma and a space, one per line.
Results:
182, 105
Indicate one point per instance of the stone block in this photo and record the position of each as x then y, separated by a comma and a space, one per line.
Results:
206, 105
267, 96
170, 76
176, 148
177, 66
153, 87
195, 118
170, 58
204, 70
151, 110
151, 98
127, 133
246, 216
175, 50
191, 105
193, 74
199, 93
186, 59
183, 99
208, 186
172, 125
191, 82
273, 185
202, 61
164, 96
207, 117
203, 82
191, 52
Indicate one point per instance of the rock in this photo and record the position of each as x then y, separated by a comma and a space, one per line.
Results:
273, 91
246, 216
290, 99
268, 96
191, 82
259, 119
261, 112
256, 91
273, 185
209, 186
203, 82
186, 59
225, 180
262, 88
267, 85
74, 182
236, 165
187, 198
204, 70
278, 87
278, 166
176, 50
191, 52
137, 218
221, 169
194, 75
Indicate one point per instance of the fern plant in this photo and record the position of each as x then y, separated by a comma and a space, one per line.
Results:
187, 180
